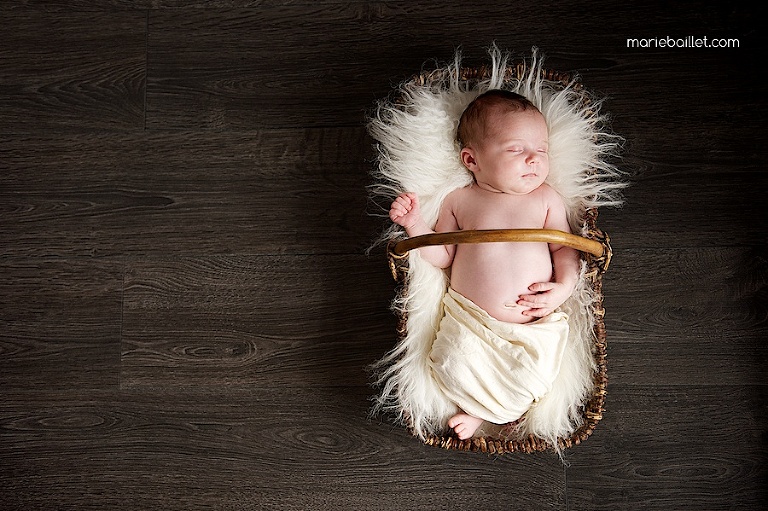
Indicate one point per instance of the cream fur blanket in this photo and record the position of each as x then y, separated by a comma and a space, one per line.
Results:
492, 369
418, 152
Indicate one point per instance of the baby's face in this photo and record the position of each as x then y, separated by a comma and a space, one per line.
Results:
513, 157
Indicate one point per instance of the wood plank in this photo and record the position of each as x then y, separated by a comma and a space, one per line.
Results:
280, 448
662, 447
285, 60
276, 67
687, 316
271, 320
186, 193
144, 5
70, 70
688, 205
59, 323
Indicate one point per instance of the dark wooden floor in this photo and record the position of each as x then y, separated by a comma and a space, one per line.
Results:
187, 311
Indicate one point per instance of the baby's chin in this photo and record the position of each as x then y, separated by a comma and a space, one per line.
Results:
522, 189
521, 186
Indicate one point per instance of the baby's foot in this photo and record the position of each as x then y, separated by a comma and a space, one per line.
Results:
464, 425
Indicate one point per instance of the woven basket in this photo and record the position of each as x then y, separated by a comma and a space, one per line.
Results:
595, 250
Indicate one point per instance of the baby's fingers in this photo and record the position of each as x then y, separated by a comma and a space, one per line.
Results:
399, 207
532, 301
540, 287
538, 313
407, 197
402, 204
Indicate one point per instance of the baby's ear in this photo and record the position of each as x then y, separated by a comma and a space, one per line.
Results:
467, 156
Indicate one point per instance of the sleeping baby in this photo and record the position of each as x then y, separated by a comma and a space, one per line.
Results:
501, 340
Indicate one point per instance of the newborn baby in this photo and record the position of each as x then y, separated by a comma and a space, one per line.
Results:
500, 343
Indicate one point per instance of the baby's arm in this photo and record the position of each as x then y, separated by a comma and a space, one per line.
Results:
548, 296
405, 212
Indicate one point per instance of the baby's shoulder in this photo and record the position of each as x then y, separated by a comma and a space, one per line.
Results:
460, 191
459, 195
549, 194
545, 190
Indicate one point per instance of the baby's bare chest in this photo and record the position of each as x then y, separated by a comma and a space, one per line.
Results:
515, 212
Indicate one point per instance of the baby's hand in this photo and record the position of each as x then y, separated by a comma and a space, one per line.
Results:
545, 298
405, 210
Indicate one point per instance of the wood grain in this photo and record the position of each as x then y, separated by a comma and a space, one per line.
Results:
272, 320
96, 449
687, 316
689, 205
186, 193
59, 323
72, 70
665, 447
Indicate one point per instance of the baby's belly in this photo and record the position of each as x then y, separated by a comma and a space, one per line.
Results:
494, 275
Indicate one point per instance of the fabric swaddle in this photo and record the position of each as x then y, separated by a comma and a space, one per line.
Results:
492, 369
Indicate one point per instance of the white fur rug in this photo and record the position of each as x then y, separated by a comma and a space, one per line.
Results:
415, 131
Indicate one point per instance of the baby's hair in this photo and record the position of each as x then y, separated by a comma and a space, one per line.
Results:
476, 115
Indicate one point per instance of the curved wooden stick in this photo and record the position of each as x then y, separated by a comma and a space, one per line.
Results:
501, 235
